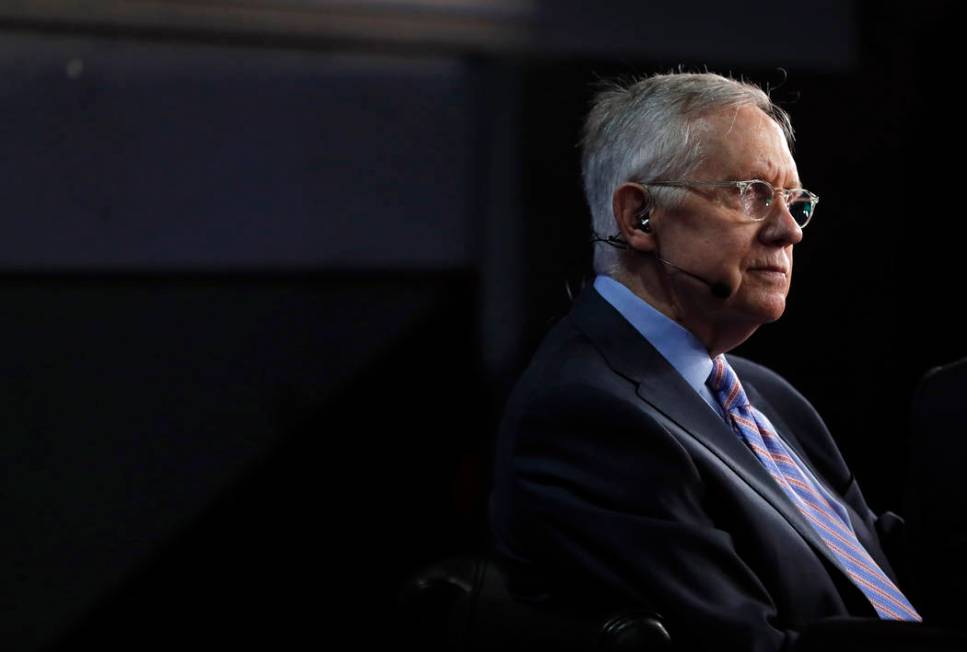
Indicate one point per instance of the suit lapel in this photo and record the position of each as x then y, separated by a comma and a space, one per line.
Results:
658, 384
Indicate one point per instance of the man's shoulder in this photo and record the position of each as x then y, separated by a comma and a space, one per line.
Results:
795, 415
567, 361
765, 380
795, 409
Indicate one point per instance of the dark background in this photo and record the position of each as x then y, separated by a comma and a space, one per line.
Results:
268, 274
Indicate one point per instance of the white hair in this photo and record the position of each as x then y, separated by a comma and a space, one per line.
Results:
651, 129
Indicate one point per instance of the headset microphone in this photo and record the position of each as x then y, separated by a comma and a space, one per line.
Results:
719, 289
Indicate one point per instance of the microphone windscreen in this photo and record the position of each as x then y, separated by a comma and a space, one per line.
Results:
721, 290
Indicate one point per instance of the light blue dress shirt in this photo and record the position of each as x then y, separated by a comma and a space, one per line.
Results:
674, 342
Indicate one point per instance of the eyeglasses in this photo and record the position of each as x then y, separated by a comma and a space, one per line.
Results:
757, 197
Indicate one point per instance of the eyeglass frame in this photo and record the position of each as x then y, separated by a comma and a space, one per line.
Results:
743, 186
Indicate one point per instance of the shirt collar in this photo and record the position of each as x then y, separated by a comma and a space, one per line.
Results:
673, 341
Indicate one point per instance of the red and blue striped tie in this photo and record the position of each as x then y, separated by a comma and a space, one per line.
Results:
826, 515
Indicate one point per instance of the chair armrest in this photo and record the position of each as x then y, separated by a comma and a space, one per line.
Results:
466, 603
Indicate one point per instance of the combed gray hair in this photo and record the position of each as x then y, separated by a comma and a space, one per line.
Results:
652, 129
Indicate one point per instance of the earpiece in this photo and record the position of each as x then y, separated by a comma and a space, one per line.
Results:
644, 217
644, 222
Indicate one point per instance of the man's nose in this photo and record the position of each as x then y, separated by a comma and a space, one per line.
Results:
780, 228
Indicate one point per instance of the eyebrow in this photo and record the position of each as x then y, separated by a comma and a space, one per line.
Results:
765, 177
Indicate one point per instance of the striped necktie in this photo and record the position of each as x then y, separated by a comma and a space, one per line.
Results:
823, 512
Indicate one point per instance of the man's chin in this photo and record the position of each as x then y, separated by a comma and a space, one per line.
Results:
773, 312
766, 310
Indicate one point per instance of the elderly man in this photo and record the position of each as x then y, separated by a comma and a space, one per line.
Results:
637, 464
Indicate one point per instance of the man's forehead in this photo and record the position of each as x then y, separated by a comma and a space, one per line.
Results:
745, 143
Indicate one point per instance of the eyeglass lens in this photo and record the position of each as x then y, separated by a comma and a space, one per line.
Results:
759, 196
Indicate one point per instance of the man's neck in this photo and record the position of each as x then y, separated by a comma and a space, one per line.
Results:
698, 319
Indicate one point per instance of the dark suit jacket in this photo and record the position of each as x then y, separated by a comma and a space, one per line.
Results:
616, 483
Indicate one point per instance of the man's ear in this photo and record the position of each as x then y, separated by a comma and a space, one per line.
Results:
632, 207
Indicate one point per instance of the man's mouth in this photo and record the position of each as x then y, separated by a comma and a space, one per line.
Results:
775, 269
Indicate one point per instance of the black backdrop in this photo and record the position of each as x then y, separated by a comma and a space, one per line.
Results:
258, 447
